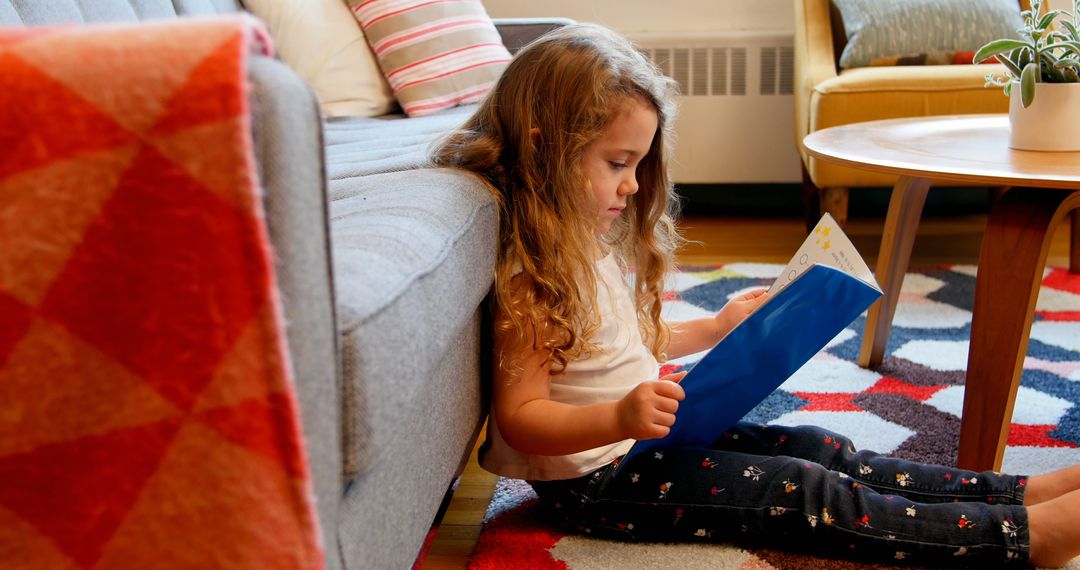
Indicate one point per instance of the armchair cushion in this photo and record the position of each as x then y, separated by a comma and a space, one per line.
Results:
873, 93
826, 96
877, 29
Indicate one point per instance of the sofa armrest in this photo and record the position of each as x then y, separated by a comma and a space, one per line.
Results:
815, 59
516, 32
287, 130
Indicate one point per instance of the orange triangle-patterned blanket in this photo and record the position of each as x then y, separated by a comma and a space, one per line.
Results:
147, 412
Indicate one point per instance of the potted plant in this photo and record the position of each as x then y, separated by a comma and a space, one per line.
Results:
1046, 63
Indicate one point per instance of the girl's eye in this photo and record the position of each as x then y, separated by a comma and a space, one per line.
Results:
618, 165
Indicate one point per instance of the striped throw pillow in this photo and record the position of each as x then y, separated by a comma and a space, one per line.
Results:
435, 54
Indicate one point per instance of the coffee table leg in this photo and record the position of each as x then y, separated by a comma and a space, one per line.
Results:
901, 225
1014, 250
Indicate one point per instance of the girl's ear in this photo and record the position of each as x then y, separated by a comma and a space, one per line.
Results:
535, 133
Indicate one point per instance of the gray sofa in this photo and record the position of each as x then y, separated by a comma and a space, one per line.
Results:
383, 265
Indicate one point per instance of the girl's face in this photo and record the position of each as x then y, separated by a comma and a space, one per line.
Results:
611, 161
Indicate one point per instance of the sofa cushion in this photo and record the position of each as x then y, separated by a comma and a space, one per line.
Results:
878, 29
358, 146
402, 240
322, 43
36, 13
436, 55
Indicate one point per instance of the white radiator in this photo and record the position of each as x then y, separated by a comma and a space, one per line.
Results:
735, 120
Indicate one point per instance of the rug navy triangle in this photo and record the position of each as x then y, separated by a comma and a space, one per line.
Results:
908, 407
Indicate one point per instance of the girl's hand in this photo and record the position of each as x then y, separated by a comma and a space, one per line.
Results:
648, 411
737, 309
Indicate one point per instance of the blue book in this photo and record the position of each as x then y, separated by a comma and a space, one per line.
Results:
826, 286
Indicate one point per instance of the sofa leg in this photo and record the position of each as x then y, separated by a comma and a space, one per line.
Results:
835, 202
433, 531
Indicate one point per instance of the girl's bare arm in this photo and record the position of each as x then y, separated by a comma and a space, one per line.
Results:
689, 337
531, 422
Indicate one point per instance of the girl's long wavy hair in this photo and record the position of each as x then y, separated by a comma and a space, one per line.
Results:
527, 141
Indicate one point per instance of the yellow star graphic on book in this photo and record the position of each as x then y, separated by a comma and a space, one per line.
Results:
826, 246
825, 232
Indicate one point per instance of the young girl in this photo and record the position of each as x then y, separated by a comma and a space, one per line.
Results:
574, 142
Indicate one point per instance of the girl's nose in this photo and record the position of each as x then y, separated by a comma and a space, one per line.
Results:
629, 187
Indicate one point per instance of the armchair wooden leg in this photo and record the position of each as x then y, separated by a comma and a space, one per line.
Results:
835, 202
818, 201
997, 192
1074, 243
811, 201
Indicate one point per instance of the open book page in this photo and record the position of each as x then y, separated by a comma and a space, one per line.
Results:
826, 245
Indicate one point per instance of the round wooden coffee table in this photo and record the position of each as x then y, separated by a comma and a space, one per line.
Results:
967, 149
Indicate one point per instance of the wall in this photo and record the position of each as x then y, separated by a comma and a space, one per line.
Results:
635, 16
708, 151
764, 152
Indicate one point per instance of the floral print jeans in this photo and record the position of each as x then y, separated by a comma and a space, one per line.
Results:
803, 488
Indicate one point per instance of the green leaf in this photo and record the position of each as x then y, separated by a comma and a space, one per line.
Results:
1073, 32
1067, 62
1010, 63
1070, 45
1023, 56
1027, 84
1048, 18
997, 46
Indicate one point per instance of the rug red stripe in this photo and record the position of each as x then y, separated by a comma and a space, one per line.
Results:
1058, 315
1060, 278
888, 385
827, 402
1035, 436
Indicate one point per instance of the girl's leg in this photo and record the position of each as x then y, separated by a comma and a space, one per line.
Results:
693, 495
1042, 488
1055, 530
920, 482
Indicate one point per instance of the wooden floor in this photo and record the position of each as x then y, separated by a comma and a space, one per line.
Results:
720, 240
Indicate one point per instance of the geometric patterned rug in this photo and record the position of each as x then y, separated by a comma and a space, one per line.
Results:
908, 407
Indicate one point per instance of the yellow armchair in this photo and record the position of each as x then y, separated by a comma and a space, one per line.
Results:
826, 96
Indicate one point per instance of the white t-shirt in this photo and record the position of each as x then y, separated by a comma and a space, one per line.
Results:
620, 362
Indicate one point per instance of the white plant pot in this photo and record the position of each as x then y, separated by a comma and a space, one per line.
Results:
1051, 123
